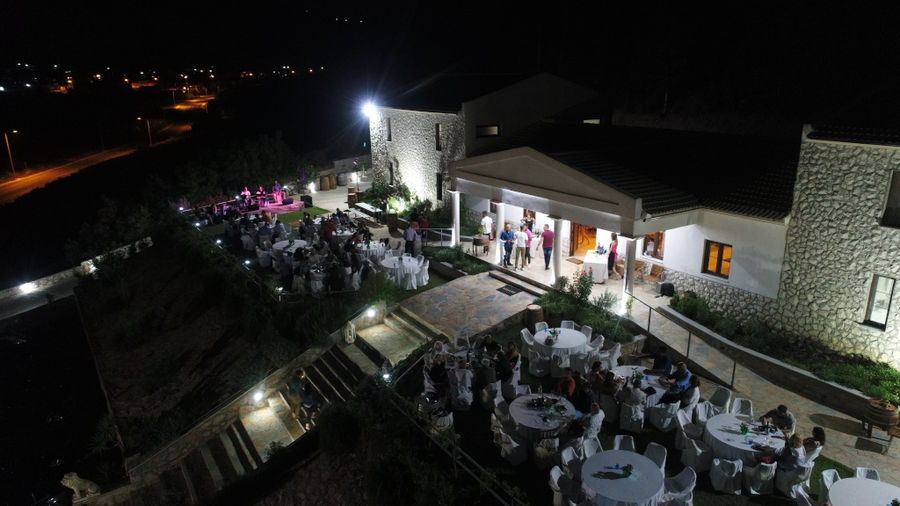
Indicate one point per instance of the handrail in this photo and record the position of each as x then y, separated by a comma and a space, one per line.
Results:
440, 231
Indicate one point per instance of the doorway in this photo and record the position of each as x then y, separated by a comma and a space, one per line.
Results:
582, 239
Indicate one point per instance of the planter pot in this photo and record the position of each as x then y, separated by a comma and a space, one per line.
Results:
881, 414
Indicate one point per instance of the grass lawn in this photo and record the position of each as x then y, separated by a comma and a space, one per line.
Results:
298, 215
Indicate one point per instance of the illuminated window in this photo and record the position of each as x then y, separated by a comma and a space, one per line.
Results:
437, 136
891, 217
387, 126
879, 302
717, 259
653, 245
487, 131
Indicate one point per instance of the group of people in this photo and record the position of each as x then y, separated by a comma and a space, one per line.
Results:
261, 196
520, 241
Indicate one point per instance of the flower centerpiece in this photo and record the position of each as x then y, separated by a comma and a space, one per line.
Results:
552, 337
627, 470
744, 429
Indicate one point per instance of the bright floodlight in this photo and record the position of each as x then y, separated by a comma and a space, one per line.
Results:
257, 396
180, 208
370, 313
27, 288
246, 262
369, 109
386, 376
218, 241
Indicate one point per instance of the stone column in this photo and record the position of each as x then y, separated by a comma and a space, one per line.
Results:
454, 240
556, 257
501, 217
627, 286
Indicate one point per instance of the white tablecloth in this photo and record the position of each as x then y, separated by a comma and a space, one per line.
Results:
400, 267
649, 380
570, 342
374, 250
644, 487
723, 435
862, 492
597, 264
289, 248
529, 423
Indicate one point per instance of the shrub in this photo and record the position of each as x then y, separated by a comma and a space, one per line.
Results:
338, 429
606, 301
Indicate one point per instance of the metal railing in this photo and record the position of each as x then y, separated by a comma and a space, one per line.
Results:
443, 234
681, 340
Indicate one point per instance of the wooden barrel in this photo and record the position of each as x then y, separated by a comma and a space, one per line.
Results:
882, 414
323, 183
332, 182
351, 199
342, 179
533, 314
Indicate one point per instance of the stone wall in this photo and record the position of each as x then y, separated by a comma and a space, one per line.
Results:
412, 149
740, 304
835, 245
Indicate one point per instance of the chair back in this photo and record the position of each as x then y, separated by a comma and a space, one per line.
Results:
539, 326
590, 447
867, 473
657, 453
623, 442
587, 331
685, 480
567, 324
631, 418
527, 338
597, 343
742, 406
721, 399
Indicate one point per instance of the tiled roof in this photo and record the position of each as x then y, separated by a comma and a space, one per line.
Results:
883, 136
673, 171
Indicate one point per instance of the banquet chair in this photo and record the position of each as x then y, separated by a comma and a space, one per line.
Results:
511, 450
741, 406
720, 400
567, 324
490, 394
800, 496
697, 455
265, 260
703, 412
539, 326
408, 277
679, 489
610, 408
502, 412
829, 476
420, 259
623, 442
811, 456
688, 407
867, 473
597, 343
545, 452
512, 391
657, 453
631, 418
571, 462
610, 357
442, 425
527, 339
662, 416
786, 480
685, 429
587, 331
557, 365
538, 365
579, 363
560, 485
591, 446
725, 475
422, 275
760, 479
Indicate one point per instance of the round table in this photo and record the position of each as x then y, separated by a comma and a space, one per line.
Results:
529, 421
649, 380
374, 250
723, 435
570, 342
604, 485
862, 491
400, 266
287, 247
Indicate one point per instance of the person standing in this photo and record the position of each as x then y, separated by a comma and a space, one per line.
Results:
546, 241
508, 237
410, 235
611, 261
521, 242
487, 225
528, 245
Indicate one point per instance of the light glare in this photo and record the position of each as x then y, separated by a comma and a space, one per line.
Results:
27, 288
369, 109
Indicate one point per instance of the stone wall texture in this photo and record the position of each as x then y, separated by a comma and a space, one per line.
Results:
835, 245
740, 304
412, 149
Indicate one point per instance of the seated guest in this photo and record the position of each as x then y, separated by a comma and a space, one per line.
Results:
328, 229
692, 394
816, 441
512, 355
792, 454
610, 385
662, 363
433, 353
593, 422
278, 231
596, 376
504, 369
491, 348
485, 375
438, 371
566, 384
583, 399
678, 382
781, 418
633, 395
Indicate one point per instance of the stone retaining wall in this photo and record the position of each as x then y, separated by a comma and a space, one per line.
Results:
740, 304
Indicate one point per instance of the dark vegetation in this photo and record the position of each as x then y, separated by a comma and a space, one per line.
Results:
569, 300
456, 257
876, 379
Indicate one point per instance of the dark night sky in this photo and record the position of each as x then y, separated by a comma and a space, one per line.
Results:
819, 58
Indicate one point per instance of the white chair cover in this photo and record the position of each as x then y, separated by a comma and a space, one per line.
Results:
686, 429
461, 389
623, 442
539, 326
679, 490
867, 473
567, 324
571, 462
442, 425
697, 455
657, 453
264, 259
557, 364
355, 280
407, 278
545, 452
560, 485
538, 365
591, 446
610, 408
829, 476
703, 412
527, 339
688, 405
579, 363
811, 456
422, 275
720, 400
725, 475
597, 344
786, 480
742, 406
631, 418
663, 416
502, 412
511, 450
587, 331
490, 396
760, 480
800, 496
610, 357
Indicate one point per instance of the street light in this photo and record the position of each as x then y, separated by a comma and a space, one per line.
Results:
149, 135
9, 151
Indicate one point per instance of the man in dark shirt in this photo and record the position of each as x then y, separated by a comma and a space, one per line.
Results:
508, 238
662, 363
583, 399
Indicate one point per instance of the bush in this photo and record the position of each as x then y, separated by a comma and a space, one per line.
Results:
338, 429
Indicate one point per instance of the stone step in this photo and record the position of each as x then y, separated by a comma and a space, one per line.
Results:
232, 453
346, 369
339, 376
518, 281
200, 476
247, 442
334, 383
355, 355
433, 331
283, 410
405, 326
325, 393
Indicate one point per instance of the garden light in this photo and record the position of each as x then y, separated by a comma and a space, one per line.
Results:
26, 288
257, 396
370, 313
369, 109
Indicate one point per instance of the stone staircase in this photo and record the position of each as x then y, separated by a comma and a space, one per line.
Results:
519, 281
224, 458
400, 333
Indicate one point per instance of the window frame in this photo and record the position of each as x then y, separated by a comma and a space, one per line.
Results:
707, 247
867, 320
391, 173
658, 238
479, 135
893, 190
387, 125
439, 185
438, 131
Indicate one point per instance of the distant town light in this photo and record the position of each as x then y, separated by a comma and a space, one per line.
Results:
369, 109
26, 288
28, 85
197, 224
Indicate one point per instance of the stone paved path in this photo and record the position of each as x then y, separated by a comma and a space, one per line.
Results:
847, 443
